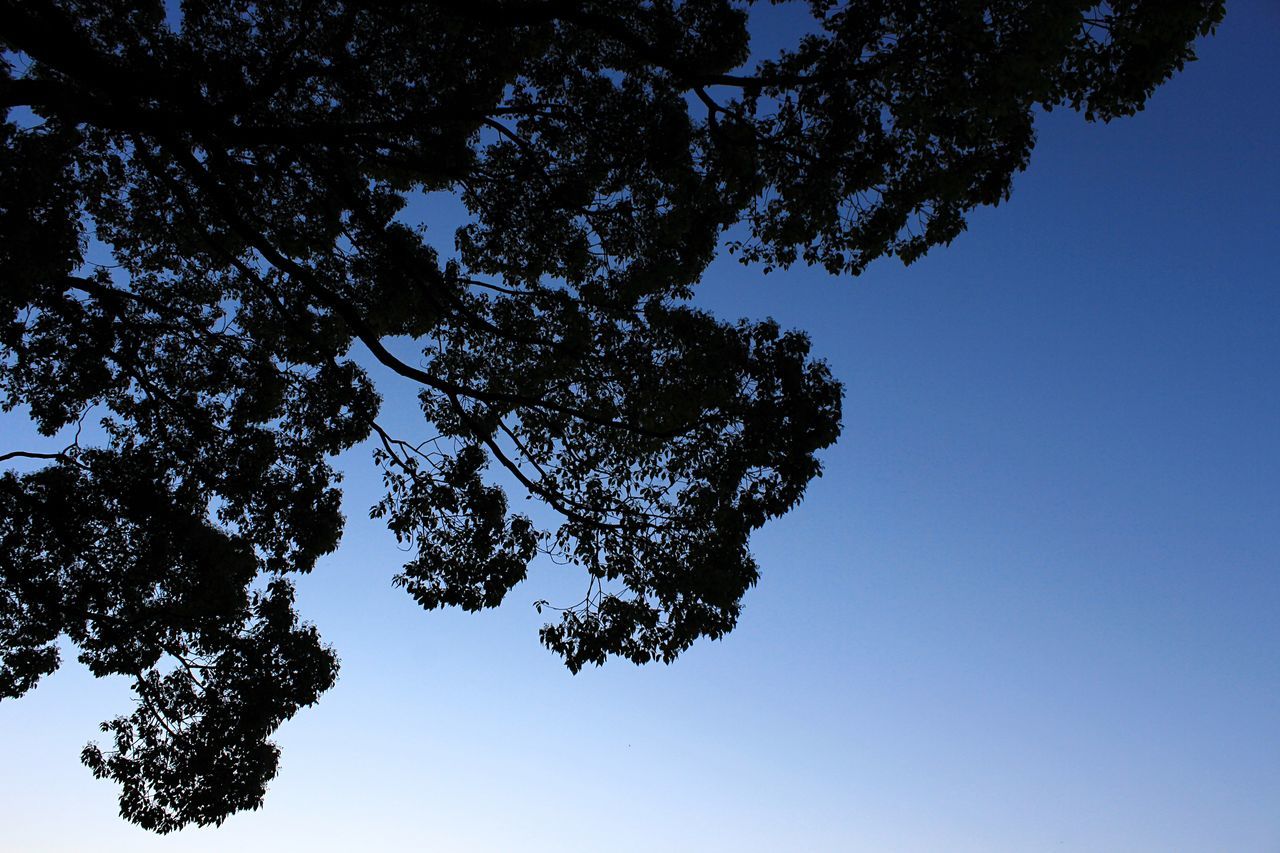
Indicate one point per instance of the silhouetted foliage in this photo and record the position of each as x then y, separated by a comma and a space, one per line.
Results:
202, 219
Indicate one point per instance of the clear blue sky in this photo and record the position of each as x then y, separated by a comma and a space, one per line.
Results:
1033, 604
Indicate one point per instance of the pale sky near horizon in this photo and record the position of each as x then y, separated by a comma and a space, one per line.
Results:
1032, 605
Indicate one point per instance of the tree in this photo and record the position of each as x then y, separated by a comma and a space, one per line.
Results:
202, 223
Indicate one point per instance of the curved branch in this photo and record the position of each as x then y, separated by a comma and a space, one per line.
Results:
357, 325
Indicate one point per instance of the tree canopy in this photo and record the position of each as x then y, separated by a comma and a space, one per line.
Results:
205, 221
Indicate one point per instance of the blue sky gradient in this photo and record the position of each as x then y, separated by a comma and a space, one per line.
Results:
1032, 605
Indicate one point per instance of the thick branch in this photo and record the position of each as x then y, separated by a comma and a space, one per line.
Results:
28, 454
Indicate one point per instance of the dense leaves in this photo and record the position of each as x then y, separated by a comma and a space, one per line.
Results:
215, 220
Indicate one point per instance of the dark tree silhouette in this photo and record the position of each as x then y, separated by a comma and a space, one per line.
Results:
239, 170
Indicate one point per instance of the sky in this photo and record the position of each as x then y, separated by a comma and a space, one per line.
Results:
1033, 604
